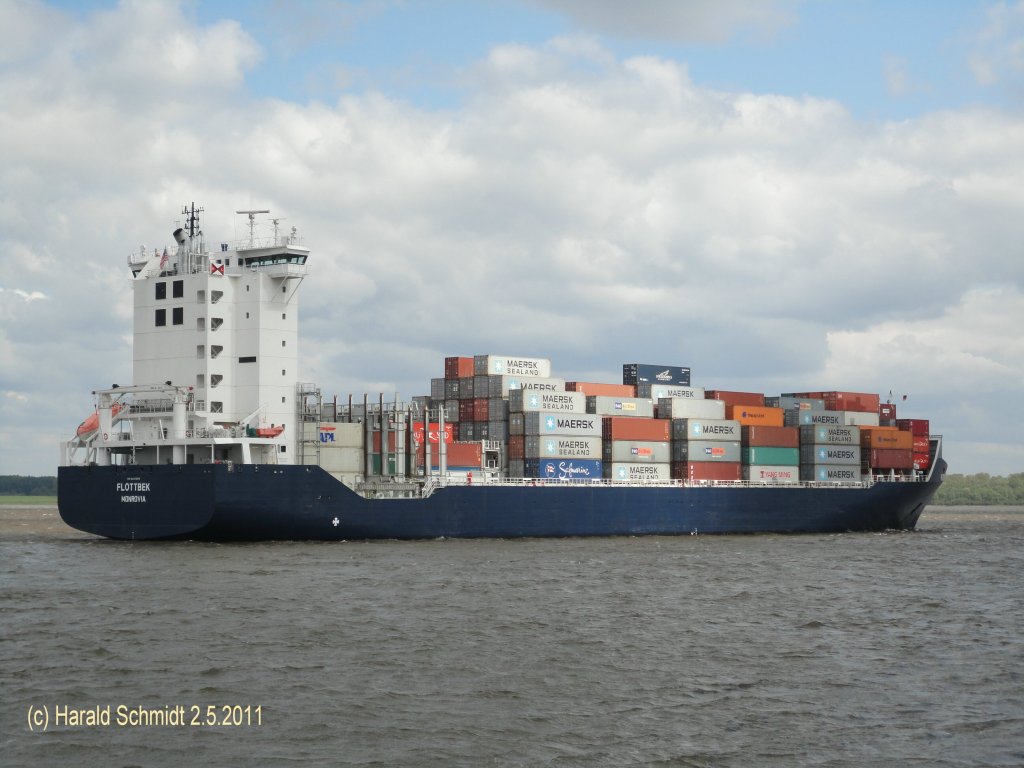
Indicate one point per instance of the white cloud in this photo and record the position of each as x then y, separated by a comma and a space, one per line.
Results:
998, 57
578, 207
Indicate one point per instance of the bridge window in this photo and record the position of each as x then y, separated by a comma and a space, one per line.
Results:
161, 317
161, 291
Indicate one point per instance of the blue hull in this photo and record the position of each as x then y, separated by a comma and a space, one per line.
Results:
260, 502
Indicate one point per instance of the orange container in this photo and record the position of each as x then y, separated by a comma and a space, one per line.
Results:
706, 470
516, 446
852, 401
633, 428
458, 367
753, 415
886, 437
771, 437
607, 390
735, 398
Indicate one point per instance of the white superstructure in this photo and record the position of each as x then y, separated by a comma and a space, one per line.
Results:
215, 356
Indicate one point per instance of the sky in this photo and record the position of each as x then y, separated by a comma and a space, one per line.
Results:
782, 195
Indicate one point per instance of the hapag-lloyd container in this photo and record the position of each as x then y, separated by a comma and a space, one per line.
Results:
706, 450
508, 365
562, 447
771, 455
527, 401
562, 469
625, 472
637, 451
761, 473
632, 428
685, 408
830, 454
706, 429
778, 437
755, 415
539, 423
645, 373
500, 386
657, 391
620, 406
830, 473
829, 435
886, 437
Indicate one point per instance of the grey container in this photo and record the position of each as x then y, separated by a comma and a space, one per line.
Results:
706, 451
451, 408
830, 454
480, 387
466, 388
790, 403
517, 423
637, 452
526, 401
497, 430
539, 423
451, 389
684, 408
658, 391
516, 468
706, 429
829, 435
437, 389
497, 409
562, 447
604, 405
500, 386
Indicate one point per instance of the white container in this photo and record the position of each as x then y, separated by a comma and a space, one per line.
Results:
685, 408
539, 423
508, 365
605, 405
626, 472
762, 473
528, 401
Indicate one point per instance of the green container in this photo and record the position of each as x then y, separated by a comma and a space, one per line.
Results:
772, 457
375, 464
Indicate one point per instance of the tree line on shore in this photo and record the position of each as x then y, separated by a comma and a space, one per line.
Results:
956, 490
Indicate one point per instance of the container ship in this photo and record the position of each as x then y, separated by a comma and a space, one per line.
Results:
217, 438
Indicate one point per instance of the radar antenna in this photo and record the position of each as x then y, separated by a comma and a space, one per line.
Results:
252, 223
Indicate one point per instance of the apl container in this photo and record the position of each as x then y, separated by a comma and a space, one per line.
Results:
706, 429
508, 365
562, 447
769, 455
706, 450
563, 469
830, 473
830, 454
582, 424
685, 408
625, 472
829, 435
760, 473
645, 373
637, 451
620, 406
527, 401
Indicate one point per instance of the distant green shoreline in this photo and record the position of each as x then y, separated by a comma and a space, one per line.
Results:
957, 490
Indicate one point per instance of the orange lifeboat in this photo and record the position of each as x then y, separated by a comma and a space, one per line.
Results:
92, 423
269, 431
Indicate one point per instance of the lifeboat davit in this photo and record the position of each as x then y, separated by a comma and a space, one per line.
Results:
269, 431
92, 423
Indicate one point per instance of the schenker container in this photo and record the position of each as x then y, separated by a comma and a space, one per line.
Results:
830, 454
645, 373
507, 365
705, 429
685, 408
637, 451
562, 469
625, 472
562, 447
706, 451
760, 473
527, 401
539, 423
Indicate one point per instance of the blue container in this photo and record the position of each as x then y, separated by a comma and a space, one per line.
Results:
563, 469
643, 373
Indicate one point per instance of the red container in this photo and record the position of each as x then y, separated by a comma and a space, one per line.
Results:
755, 415
481, 409
516, 446
458, 367
886, 437
757, 436
466, 411
634, 428
887, 411
735, 398
706, 470
376, 441
851, 401
922, 460
921, 444
890, 458
914, 426
607, 390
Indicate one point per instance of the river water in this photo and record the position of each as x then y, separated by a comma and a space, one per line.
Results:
818, 650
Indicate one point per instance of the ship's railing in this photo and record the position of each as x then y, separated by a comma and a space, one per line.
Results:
591, 482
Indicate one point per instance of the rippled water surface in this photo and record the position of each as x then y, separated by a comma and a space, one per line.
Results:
821, 650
